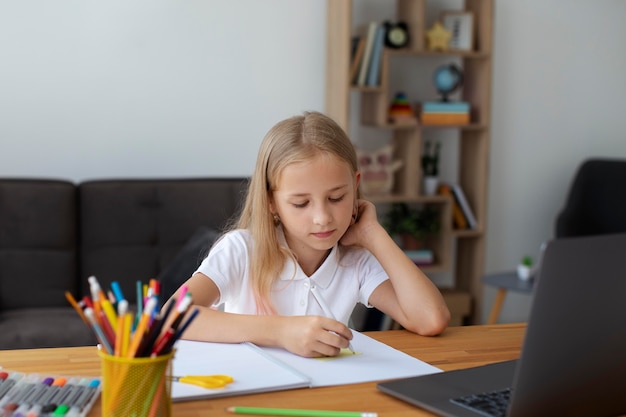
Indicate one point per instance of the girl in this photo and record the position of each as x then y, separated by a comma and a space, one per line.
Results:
305, 250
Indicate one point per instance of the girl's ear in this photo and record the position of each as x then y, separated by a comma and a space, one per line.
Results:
357, 180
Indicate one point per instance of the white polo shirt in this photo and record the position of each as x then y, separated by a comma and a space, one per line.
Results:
348, 276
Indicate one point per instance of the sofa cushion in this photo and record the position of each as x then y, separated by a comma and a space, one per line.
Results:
38, 242
43, 327
132, 229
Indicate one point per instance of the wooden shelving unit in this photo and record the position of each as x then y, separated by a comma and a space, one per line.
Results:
461, 252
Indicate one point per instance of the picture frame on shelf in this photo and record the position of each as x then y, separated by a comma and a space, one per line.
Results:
461, 25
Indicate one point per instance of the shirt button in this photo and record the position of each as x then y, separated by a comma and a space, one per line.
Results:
306, 285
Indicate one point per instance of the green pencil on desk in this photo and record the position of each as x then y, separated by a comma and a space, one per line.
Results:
298, 413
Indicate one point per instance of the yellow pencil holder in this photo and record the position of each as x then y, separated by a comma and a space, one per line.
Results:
136, 386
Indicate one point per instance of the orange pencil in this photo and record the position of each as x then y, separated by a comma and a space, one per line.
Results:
78, 308
142, 327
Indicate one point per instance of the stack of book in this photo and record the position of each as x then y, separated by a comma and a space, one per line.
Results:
366, 56
445, 112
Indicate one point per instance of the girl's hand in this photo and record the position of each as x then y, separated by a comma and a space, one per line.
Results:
366, 220
314, 336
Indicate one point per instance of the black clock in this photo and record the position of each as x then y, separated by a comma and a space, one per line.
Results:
396, 35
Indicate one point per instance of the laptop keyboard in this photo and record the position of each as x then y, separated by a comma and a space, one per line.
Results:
491, 404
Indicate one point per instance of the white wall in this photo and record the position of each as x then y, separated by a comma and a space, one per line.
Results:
166, 88
152, 88
558, 97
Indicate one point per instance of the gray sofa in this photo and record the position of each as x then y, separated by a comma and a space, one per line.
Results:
54, 234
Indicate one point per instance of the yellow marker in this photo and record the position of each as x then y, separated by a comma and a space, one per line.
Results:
128, 323
109, 312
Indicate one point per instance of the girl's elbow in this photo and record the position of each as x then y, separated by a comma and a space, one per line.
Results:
433, 325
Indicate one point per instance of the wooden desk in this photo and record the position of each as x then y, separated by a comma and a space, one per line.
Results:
458, 347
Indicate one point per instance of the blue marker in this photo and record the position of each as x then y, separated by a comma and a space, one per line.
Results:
79, 404
117, 291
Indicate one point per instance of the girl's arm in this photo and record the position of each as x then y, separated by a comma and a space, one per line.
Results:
309, 336
409, 297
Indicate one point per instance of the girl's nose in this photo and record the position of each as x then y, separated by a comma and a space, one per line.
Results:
322, 216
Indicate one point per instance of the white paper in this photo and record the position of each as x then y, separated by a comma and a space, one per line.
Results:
259, 369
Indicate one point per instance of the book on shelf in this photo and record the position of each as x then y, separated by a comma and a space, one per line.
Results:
357, 57
421, 257
445, 107
367, 54
257, 369
458, 218
373, 72
467, 209
445, 118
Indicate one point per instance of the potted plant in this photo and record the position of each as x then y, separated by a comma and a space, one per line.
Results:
430, 168
525, 267
413, 225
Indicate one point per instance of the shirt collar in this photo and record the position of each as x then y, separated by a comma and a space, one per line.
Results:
324, 274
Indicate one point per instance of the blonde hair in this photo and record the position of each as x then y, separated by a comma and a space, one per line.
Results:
296, 139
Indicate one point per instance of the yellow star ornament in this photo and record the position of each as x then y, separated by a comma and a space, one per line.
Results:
438, 37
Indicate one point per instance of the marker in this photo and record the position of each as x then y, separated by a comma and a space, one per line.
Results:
166, 338
106, 327
95, 289
297, 413
186, 324
97, 296
16, 395
48, 396
5, 388
84, 399
183, 291
117, 291
128, 324
34, 396
71, 398
122, 308
110, 314
3, 377
59, 397
99, 333
141, 328
327, 311
139, 298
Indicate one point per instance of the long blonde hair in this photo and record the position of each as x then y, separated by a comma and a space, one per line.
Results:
295, 139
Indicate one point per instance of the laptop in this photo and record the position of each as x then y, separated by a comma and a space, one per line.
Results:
573, 358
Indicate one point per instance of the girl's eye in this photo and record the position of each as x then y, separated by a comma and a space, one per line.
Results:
300, 205
336, 200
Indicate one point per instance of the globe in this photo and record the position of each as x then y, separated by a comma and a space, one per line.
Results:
448, 78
